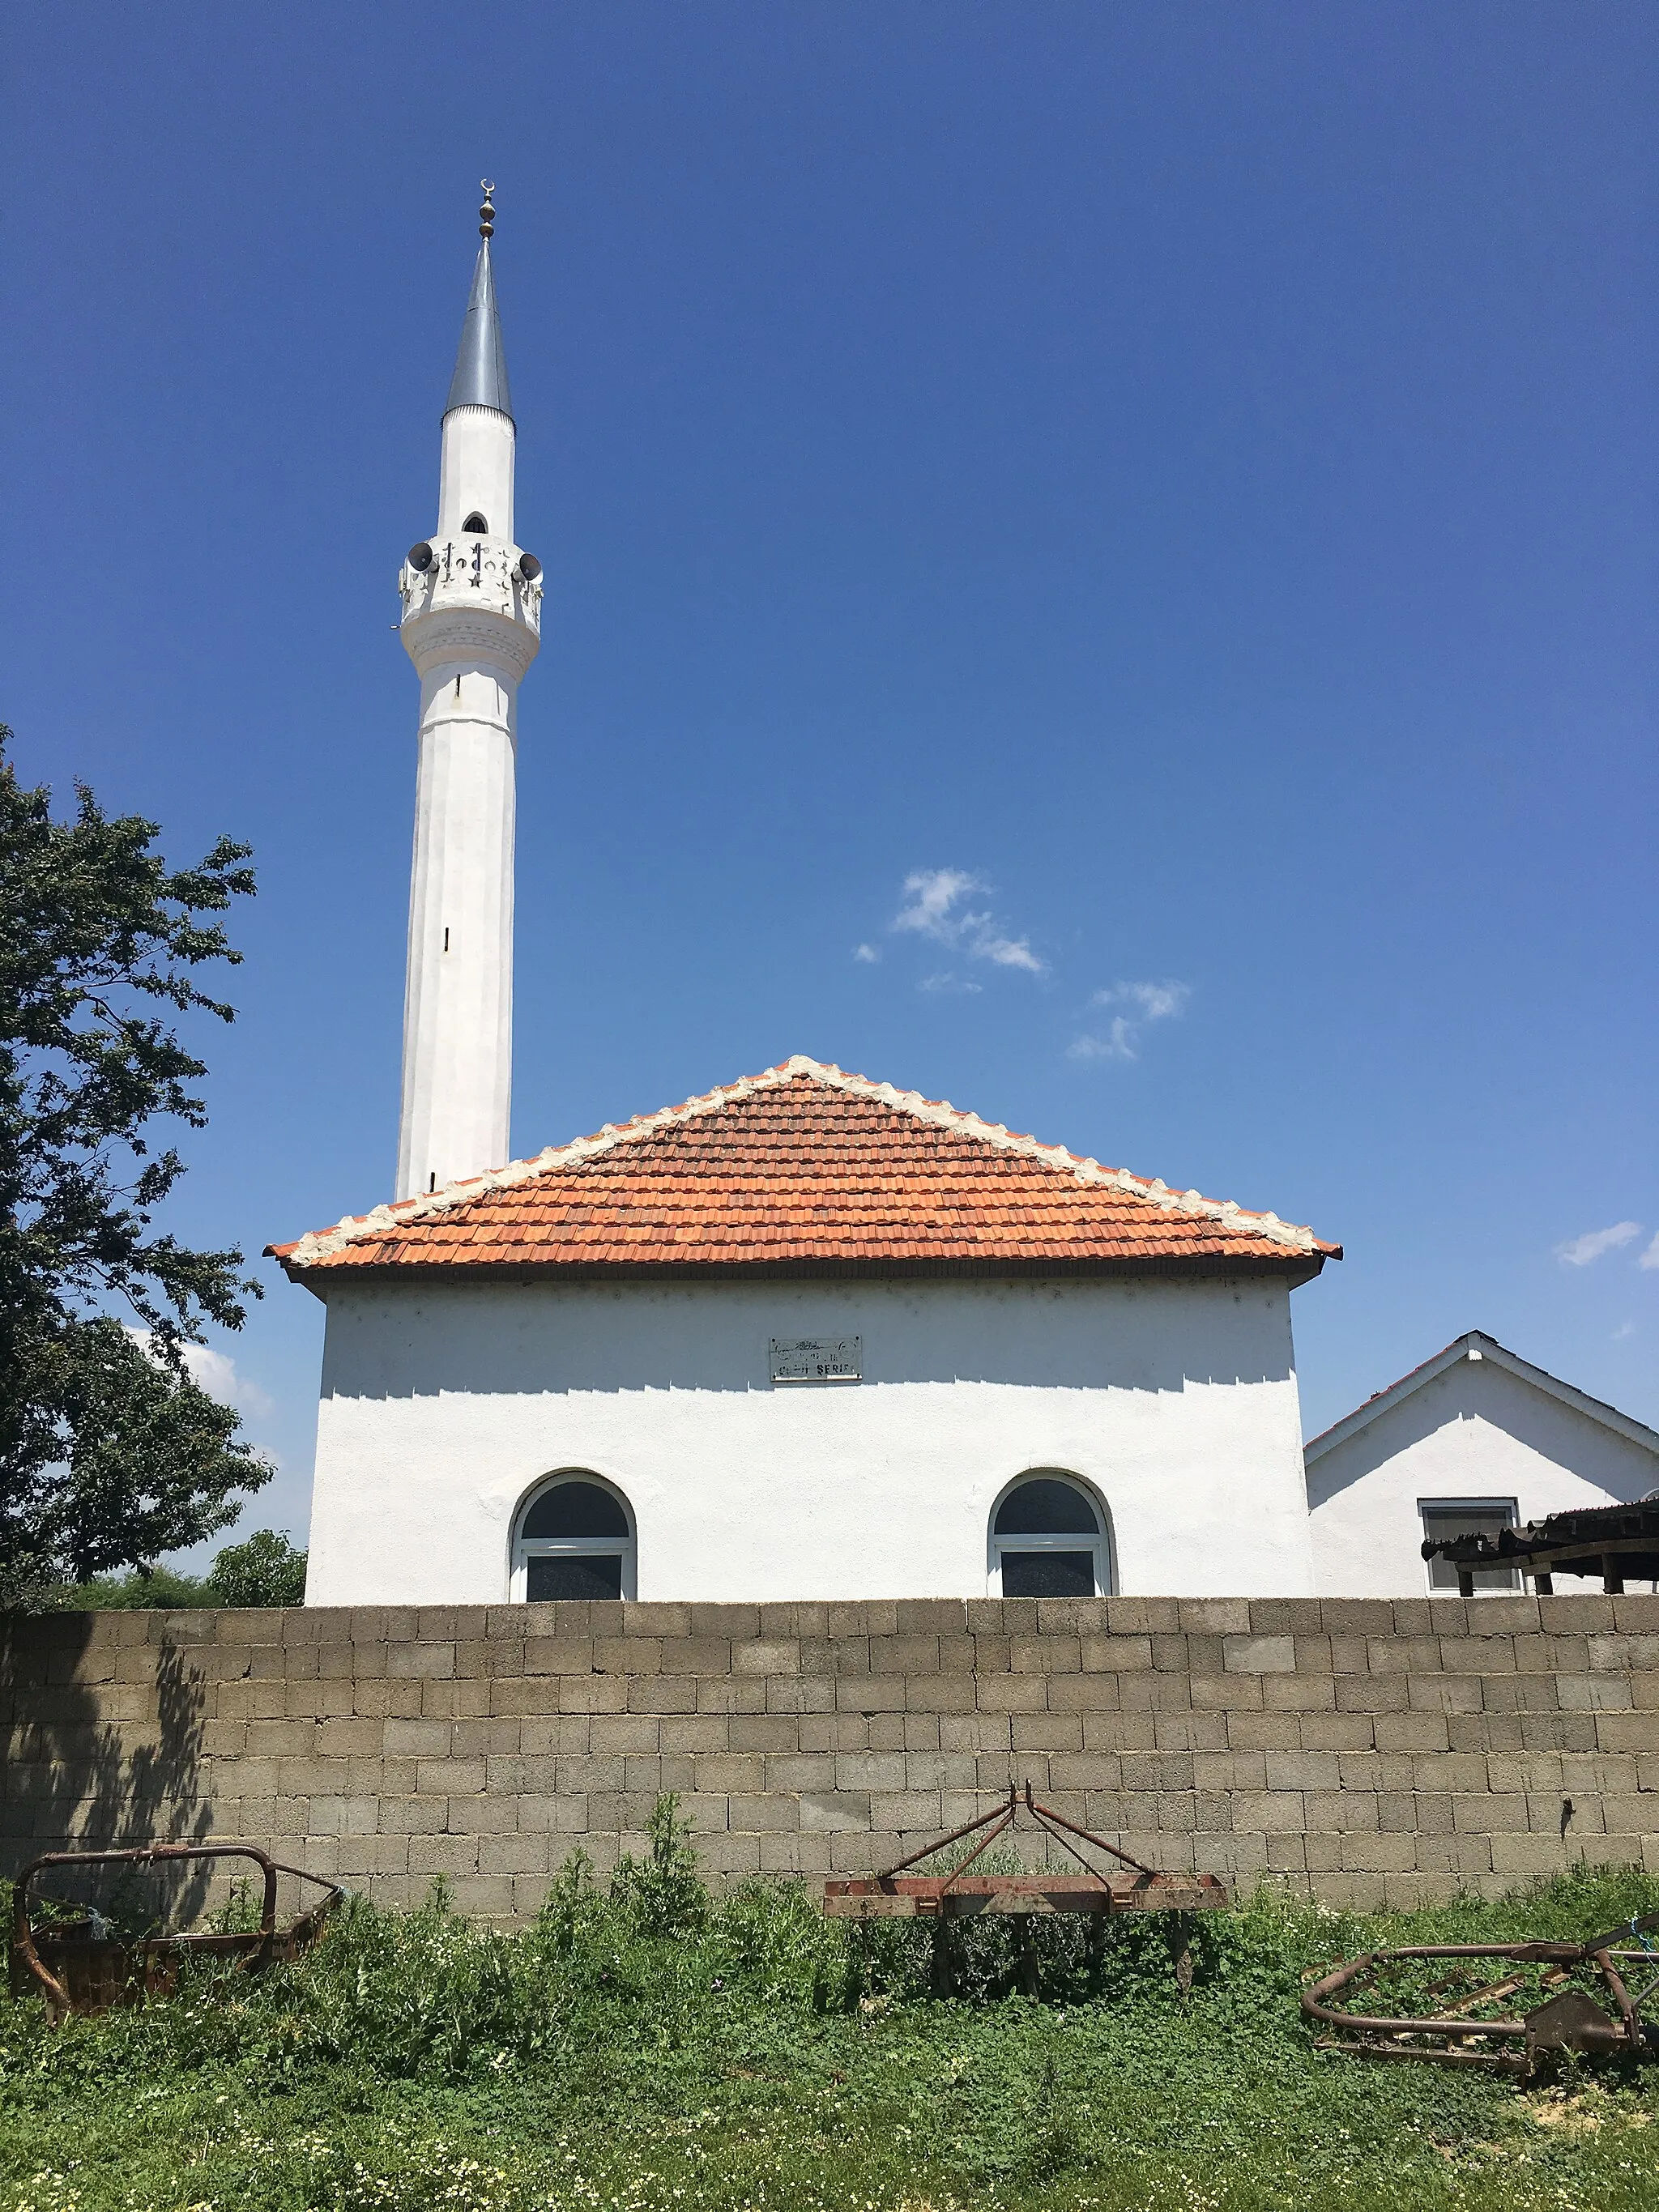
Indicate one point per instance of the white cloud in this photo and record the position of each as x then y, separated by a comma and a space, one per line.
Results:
1119, 1043
870, 953
1650, 1257
215, 1373
1579, 1251
935, 909
1153, 1002
1007, 952
1625, 1330
1120, 1039
948, 980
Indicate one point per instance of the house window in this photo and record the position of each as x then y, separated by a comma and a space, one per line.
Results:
1446, 1517
1049, 1538
575, 1539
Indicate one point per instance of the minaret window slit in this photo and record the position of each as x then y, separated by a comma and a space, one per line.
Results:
476, 525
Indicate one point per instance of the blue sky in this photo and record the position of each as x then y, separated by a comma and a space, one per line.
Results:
1139, 517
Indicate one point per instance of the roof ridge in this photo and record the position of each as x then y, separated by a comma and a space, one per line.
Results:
320, 1243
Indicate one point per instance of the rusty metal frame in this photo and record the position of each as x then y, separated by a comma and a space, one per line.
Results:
1570, 2019
898, 1894
79, 1969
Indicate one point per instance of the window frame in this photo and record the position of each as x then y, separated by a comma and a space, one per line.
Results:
525, 1548
1487, 1505
1101, 1543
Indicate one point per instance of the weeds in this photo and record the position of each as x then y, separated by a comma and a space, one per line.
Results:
644, 2048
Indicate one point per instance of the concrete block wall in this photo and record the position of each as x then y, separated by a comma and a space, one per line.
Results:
1369, 1751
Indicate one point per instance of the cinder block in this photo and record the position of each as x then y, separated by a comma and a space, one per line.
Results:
1044, 1655
1490, 1813
1263, 1732
867, 1771
699, 1654
451, 1777
835, 1810
558, 1654
1633, 1815
1143, 1616
1300, 1692
1379, 1854
1636, 1731
414, 1816
1259, 1654
514, 1854
1213, 1616
1335, 1731
767, 1656
656, 1618
761, 1813
721, 1773
1371, 1693
630, 1654
1356, 1616
1115, 1654
1301, 1770
444, 1854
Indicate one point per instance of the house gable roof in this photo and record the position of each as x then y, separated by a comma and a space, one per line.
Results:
807, 1170
1476, 1346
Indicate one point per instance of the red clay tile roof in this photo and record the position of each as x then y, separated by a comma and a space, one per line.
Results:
806, 1170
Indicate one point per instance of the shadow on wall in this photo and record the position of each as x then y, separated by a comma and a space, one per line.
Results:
1156, 1338
68, 1783
1482, 1391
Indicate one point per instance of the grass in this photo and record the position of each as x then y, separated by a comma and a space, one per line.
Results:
651, 2051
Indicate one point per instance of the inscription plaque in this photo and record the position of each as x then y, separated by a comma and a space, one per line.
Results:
815, 1358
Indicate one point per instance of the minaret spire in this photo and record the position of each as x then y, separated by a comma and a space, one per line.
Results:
480, 378
471, 624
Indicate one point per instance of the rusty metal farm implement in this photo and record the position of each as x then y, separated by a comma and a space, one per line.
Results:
1501, 2007
71, 1956
941, 1898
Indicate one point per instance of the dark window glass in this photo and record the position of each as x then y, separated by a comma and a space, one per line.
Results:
573, 1575
575, 1509
476, 525
1048, 1574
1044, 1508
1442, 1522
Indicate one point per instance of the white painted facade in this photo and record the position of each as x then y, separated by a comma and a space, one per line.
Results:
1478, 1424
444, 1405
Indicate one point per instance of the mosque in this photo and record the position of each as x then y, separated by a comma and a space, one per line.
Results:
809, 1336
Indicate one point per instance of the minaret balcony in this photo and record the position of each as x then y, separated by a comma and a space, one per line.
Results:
472, 592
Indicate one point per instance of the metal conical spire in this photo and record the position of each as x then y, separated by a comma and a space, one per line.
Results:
480, 378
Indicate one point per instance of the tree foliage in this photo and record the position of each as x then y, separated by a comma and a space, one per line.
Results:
109, 1453
265, 1569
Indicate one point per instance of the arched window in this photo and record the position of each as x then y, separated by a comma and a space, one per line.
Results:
575, 1539
475, 523
1049, 1538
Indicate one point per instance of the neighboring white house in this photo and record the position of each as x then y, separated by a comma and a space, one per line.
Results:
806, 1337
1474, 1439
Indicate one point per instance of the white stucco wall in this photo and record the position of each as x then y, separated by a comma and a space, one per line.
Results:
1475, 1430
442, 1406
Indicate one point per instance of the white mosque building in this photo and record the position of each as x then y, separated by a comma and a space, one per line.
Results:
807, 1336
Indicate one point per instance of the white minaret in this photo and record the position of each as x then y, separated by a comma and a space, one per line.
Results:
471, 625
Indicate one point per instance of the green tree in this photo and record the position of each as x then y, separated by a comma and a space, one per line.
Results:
109, 1453
265, 1570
